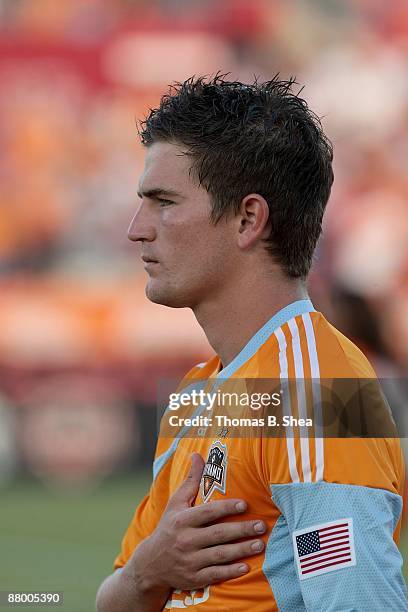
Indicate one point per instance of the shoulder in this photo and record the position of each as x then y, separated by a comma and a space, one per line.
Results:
338, 356
308, 346
201, 371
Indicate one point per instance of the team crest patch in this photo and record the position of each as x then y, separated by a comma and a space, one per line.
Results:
215, 471
324, 548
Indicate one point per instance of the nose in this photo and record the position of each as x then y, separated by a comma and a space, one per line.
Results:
141, 227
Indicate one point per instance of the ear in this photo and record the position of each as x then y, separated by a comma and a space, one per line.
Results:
253, 217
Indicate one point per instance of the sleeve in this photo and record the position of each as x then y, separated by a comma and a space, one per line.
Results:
340, 533
343, 547
150, 510
147, 514
336, 485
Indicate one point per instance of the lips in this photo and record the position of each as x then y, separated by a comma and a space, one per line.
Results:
147, 259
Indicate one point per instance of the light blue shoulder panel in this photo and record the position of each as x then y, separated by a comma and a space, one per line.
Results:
280, 570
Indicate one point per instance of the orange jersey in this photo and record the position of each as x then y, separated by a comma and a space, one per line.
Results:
332, 505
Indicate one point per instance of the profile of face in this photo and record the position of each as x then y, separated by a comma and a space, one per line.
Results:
187, 257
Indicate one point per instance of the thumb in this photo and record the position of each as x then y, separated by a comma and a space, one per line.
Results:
187, 491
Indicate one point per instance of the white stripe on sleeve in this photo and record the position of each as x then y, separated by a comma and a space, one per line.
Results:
290, 443
317, 404
301, 399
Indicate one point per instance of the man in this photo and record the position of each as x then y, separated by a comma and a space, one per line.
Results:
233, 192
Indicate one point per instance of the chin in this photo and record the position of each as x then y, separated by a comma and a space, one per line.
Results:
165, 297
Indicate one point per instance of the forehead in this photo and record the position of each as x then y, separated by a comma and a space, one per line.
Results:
166, 166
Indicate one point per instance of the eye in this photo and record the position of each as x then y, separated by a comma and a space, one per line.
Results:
163, 203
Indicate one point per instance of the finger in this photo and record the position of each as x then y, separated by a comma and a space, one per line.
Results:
226, 553
228, 532
211, 512
220, 573
187, 491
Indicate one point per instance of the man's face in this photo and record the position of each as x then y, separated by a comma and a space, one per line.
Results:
188, 259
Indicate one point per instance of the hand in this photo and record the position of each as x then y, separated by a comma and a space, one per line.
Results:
187, 550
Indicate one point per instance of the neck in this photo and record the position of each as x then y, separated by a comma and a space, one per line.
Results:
231, 318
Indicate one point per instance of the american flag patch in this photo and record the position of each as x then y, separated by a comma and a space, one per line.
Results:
324, 548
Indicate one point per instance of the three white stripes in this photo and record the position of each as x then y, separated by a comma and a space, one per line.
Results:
317, 404
301, 398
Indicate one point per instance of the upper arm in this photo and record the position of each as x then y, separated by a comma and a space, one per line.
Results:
342, 543
148, 513
143, 523
359, 567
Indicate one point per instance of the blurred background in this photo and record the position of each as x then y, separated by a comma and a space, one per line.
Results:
81, 349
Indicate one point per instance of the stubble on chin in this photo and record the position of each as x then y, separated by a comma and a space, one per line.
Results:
163, 296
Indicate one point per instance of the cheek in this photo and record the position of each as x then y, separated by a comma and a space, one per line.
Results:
196, 245
184, 236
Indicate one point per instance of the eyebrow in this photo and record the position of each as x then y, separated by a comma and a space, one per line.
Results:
157, 192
